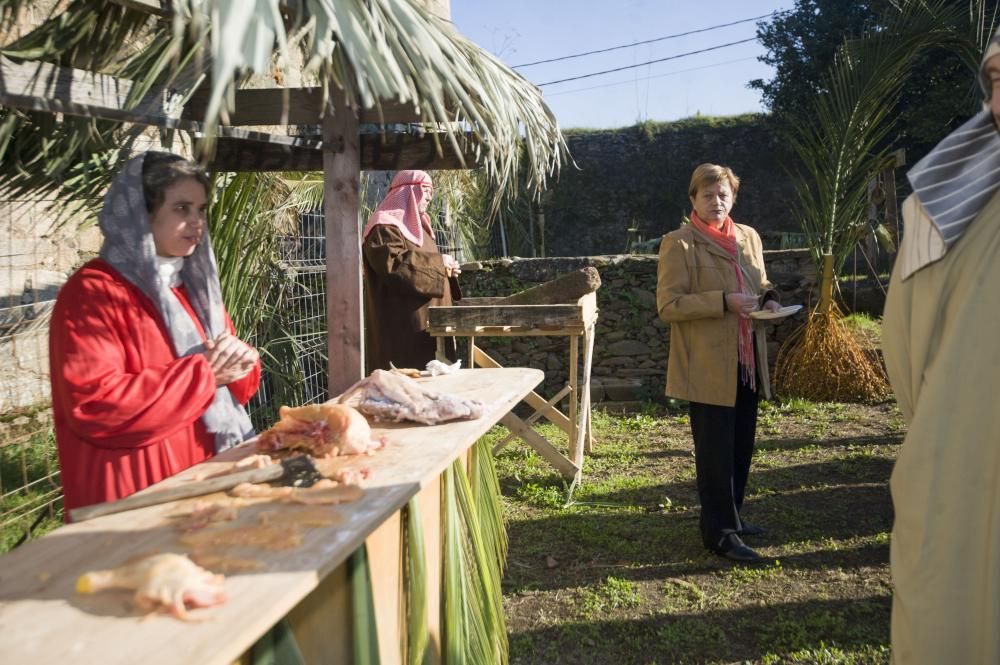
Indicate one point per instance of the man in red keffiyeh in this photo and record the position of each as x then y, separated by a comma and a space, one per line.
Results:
709, 279
405, 274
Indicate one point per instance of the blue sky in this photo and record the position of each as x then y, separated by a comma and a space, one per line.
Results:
710, 83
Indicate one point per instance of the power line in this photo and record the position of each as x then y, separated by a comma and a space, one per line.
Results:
647, 41
648, 62
657, 76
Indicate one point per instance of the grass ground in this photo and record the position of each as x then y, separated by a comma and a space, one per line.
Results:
618, 574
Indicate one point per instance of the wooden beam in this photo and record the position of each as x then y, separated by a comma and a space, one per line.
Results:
378, 153
549, 452
391, 152
292, 106
154, 7
344, 314
41, 86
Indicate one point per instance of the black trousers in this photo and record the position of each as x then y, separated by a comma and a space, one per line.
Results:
723, 446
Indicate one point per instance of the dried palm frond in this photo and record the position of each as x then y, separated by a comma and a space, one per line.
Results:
388, 50
823, 361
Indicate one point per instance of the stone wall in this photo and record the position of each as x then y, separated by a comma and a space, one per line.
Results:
36, 257
638, 176
630, 350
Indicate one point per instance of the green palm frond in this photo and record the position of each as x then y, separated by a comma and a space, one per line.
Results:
848, 137
473, 620
486, 491
415, 580
364, 624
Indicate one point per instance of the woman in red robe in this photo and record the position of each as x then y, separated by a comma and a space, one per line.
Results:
148, 377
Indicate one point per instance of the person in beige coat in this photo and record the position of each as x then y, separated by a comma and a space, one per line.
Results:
710, 278
940, 339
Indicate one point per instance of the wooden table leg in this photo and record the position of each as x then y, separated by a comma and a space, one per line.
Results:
472, 353
588, 362
440, 355
575, 448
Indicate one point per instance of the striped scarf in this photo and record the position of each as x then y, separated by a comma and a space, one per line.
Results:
725, 239
955, 181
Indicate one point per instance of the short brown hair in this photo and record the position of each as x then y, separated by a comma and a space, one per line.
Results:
709, 174
162, 170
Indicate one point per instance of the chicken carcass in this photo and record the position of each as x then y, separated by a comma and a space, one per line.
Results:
323, 430
388, 396
161, 581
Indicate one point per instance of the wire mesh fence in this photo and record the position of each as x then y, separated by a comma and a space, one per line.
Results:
30, 490
298, 362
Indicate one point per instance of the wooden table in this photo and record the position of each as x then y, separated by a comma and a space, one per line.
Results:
489, 317
43, 620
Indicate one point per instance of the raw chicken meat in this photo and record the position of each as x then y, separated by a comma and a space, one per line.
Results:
245, 464
202, 513
324, 430
251, 491
161, 581
394, 397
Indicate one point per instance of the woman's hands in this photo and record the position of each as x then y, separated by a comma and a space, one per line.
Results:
230, 358
737, 303
451, 266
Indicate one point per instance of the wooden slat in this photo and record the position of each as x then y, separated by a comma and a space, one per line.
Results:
344, 315
533, 399
575, 447
541, 446
524, 316
401, 151
533, 418
293, 106
41, 86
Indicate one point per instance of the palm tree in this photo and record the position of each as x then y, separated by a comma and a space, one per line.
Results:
848, 140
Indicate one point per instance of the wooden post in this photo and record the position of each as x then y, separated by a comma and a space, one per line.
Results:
575, 456
344, 314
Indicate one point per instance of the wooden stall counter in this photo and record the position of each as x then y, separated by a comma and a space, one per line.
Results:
43, 620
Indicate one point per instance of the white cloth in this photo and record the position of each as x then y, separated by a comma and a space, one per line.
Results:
169, 269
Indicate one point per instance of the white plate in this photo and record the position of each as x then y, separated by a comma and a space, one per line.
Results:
780, 314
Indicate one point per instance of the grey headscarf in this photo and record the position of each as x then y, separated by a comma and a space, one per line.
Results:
129, 248
956, 180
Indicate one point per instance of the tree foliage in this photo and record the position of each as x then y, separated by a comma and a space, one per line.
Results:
940, 92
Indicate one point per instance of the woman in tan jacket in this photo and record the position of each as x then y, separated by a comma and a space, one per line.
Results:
710, 278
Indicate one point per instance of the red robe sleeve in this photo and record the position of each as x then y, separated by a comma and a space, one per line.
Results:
114, 371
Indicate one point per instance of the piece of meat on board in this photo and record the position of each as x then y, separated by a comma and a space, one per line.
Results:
161, 581
322, 430
394, 397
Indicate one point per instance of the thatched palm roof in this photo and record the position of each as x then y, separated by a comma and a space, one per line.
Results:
371, 52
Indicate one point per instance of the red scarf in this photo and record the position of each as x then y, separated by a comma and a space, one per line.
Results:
725, 238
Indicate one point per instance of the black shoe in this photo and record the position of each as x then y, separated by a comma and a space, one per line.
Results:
750, 529
734, 549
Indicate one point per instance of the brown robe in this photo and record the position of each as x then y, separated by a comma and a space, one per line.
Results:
401, 282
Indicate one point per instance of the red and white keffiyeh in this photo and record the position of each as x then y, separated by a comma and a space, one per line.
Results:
405, 207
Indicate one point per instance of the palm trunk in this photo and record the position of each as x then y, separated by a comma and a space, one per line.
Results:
826, 285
